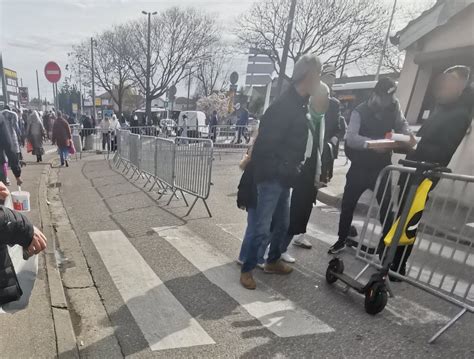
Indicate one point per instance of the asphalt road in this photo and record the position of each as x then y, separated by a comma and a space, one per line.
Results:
170, 285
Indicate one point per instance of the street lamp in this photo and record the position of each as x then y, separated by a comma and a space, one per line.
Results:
148, 55
93, 43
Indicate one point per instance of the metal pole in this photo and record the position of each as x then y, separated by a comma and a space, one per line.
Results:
94, 113
38, 88
54, 99
189, 90
344, 60
286, 47
385, 41
147, 95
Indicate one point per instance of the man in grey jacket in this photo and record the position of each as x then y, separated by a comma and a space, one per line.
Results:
371, 120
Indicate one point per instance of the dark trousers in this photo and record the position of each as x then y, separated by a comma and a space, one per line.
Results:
358, 180
106, 141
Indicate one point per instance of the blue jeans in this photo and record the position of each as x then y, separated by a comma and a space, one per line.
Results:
273, 203
63, 154
249, 232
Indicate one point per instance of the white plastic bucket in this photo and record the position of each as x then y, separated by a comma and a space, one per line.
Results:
21, 201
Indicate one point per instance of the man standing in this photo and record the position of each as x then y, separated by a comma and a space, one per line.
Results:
212, 125
333, 129
442, 132
371, 120
278, 154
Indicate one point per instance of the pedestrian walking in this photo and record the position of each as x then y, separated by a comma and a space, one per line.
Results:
213, 126
278, 153
371, 120
87, 133
62, 138
7, 152
441, 133
35, 134
334, 128
242, 124
105, 130
14, 129
114, 127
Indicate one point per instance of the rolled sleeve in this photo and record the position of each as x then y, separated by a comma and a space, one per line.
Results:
353, 139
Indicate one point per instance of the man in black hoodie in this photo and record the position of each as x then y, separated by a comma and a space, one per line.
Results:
443, 131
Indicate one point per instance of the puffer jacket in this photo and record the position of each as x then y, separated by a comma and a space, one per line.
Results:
15, 229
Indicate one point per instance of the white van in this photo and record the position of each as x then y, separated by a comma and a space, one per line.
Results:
194, 125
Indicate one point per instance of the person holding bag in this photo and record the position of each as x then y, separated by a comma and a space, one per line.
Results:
62, 138
15, 229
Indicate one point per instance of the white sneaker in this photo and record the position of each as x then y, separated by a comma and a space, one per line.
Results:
302, 242
287, 258
261, 266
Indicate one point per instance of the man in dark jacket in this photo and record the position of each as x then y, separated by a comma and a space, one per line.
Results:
15, 229
371, 120
442, 132
7, 150
212, 125
278, 154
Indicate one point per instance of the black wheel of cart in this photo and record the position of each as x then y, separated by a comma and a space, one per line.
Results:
335, 266
376, 298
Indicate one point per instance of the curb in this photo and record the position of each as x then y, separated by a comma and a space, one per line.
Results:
65, 337
333, 200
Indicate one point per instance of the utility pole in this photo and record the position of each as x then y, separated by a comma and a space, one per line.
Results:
4, 84
189, 89
38, 87
286, 46
148, 70
385, 41
94, 113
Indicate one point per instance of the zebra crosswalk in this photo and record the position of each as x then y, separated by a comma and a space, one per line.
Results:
166, 324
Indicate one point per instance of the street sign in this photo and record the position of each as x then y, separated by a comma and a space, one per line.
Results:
75, 108
172, 91
23, 93
52, 72
260, 69
234, 77
258, 80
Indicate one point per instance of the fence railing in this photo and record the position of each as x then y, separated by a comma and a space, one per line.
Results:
93, 140
181, 165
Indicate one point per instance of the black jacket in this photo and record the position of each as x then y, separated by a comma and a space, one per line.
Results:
14, 229
333, 127
443, 131
281, 142
7, 149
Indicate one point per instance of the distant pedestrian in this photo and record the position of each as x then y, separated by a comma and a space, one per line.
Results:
35, 135
242, 124
12, 122
105, 130
213, 125
62, 138
86, 133
114, 127
334, 129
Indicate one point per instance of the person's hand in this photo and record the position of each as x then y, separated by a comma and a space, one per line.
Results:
4, 192
38, 243
412, 142
19, 181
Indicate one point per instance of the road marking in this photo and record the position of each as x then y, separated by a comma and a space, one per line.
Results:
278, 314
164, 322
236, 230
314, 232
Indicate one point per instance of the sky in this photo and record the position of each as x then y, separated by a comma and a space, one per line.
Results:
33, 32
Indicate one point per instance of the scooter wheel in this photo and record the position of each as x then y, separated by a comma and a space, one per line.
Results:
376, 298
335, 266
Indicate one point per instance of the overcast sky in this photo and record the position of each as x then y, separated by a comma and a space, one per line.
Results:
33, 32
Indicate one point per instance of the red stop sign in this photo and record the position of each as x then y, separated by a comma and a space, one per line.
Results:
52, 72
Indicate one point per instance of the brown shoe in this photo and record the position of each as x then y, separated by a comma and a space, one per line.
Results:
247, 280
278, 267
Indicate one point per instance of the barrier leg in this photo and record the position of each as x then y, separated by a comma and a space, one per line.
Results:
184, 199
171, 198
192, 206
447, 326
207, 208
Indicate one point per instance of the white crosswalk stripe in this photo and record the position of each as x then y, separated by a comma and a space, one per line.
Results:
280, 315
164, 322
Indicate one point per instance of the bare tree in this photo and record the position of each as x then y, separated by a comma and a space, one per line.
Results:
212, 73
340, 31
179, 39
111, 70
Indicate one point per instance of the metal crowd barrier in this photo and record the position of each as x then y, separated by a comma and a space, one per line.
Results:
182, 165
93, 140
193, 168
441, 259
